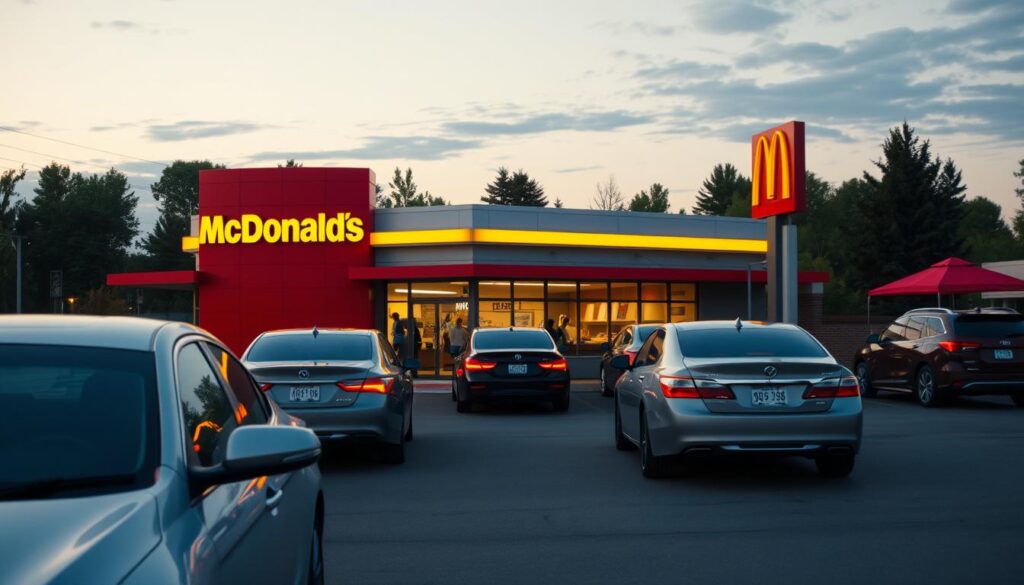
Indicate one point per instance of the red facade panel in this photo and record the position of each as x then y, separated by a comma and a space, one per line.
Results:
249, 288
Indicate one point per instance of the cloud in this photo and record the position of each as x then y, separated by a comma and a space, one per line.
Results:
737, 16
118, 25
549, 122
683, 70
109, 127
578, 169
975, 6
195, 129
384, 147
637, 27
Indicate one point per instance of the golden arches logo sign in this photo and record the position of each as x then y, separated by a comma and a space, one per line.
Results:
777, 181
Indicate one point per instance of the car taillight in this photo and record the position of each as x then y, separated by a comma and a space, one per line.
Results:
673, 387
954, 346
631, 355
845, 387
266, 386
476, 365
370, 385
557, 365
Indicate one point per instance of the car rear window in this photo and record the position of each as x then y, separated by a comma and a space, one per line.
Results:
304, 347
642, 332
748, 342
1001, 326
505, 339
76, 419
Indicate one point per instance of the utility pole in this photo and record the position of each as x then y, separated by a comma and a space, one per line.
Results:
18, 242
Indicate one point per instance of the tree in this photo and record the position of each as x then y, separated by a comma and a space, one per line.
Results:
103, 301
609, 196
177, 194
514, 189
404, 192
720, 190
8, 181
1018, 219
83, 225
381, 201
908, 218
558, 203
655, 200
290, 163
986, 236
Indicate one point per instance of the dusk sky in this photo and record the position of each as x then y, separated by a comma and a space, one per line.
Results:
571, 92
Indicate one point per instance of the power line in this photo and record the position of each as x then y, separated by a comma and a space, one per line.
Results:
77, 162
7, 129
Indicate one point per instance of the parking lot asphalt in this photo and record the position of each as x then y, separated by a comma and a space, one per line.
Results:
524, 495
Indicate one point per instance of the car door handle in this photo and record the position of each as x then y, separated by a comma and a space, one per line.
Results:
274, 497
640, 377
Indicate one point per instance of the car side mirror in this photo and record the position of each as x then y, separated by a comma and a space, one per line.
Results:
411, 364
259, 450
621, 362
606, 346
873, 338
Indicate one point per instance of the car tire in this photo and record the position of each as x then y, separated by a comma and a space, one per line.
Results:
1018, 400
835, 465
315, 571
463, 405
621, 442
605, 390
864, 378
393, 453
925, 390
651, 465
408, 432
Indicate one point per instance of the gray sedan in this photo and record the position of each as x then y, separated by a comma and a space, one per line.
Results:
347, 384
736, 387
140, 452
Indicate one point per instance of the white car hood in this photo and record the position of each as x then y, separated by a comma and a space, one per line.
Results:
95, 539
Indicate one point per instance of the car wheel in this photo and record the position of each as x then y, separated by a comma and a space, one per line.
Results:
925, 389
463, 405
605, 390
864, 379
652, 466
561, 404
1018, 399
835, 464
393, 453
315, 572
621, 442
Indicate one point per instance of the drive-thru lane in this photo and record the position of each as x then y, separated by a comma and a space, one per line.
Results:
524, 495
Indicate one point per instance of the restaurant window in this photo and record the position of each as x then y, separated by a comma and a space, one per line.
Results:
680, 312
653, 312
398, 302
440, 289
495, 289
495, 313
624, 290
528, 289
593, 308
653, 291
684, 291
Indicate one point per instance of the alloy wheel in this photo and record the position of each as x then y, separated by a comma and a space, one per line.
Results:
925, 387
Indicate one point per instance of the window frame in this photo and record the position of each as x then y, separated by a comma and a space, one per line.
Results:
261, 397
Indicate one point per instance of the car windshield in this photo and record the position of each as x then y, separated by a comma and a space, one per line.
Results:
748, 342
304, 347
77, 420
509, 339
1001, 326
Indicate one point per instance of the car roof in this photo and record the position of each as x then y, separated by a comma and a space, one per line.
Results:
482, 329
327, 331
698, 325
134, 333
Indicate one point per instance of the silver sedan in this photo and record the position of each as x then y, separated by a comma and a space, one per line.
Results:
141, 452
347, 384
736, 387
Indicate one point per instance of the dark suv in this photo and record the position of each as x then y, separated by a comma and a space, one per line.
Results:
940, 353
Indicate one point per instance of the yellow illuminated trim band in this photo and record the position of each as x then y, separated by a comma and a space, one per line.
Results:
189, 244
570, 239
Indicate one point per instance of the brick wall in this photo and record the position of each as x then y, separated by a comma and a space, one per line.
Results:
841, 335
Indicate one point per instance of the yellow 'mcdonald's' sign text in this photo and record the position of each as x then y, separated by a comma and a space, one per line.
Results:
251, 228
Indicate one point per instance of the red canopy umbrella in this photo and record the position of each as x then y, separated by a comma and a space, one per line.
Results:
950, 276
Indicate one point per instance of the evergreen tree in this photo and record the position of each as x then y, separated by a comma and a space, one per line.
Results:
8, 181
558, 203
1018, 218
514, 189
908, 218
725, 185
163, 245
290, 164
404, 192
177, 194
654, 200
382, 201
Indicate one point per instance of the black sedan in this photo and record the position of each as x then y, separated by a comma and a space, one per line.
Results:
510, 364
626, 343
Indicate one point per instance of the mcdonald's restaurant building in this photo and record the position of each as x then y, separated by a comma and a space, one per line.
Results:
302, 247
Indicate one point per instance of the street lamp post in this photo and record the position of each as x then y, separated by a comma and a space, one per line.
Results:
17, 241
750, 293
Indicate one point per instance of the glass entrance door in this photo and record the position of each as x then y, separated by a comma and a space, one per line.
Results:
434, 320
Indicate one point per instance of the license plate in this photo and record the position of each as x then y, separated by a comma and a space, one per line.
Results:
768, 397
1004, 354
304, 394
517, 369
